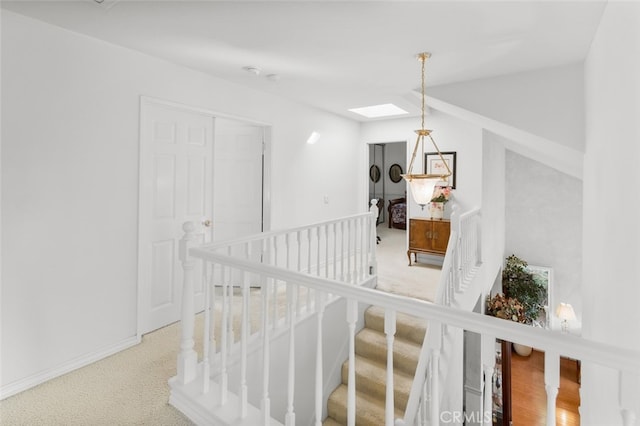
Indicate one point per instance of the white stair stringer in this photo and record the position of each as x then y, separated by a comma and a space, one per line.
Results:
206, 410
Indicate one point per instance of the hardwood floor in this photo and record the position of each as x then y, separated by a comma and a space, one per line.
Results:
529, 398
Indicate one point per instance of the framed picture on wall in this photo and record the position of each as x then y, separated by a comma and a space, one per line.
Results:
433, 165
374, 173
395, 173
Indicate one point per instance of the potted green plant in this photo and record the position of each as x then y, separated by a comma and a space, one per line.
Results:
519, 283
523, 299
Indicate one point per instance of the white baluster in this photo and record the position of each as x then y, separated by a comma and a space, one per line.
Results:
434, 375
320, 304
244, 336
206, 343
488, 360
551, 382
373, 240
212, 321
308, 301
364, 231
365, 246
487, 403
356, 250
224, 337
425, 403
352, 318
326, 251
342, 256
290, 417
274, 302
299, 255
266, 403
309, 250
390, 331
349, 253
287, 251
434, 390
435, 387
318, 250
230, 280
335, 251
187, 358
478, 237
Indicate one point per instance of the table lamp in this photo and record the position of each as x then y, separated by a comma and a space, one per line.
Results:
565, 312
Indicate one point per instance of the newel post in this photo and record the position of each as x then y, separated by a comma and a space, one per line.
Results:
375, 211
187, 357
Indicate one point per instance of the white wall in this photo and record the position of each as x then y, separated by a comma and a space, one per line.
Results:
70, 185
611, 237
546, 102
450, 134
543, 222
493, 207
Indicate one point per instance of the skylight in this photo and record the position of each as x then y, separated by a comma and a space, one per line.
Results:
377, 111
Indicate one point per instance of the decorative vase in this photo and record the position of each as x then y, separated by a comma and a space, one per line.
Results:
522, 350
436, 210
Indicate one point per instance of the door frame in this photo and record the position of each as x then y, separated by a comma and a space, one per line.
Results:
365, 162
146, 102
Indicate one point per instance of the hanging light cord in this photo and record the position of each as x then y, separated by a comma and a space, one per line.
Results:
423, 58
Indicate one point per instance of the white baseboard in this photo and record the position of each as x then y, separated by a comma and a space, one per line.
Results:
36, 379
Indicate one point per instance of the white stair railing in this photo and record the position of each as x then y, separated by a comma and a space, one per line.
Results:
468, 250
218, 390
461, 262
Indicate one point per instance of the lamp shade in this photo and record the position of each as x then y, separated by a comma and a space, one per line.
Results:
422, 187
565, 312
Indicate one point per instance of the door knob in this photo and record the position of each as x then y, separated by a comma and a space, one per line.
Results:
206, 223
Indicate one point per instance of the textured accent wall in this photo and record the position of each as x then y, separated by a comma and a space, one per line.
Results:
543, 215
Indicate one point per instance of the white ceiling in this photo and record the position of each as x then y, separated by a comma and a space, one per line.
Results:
338, 55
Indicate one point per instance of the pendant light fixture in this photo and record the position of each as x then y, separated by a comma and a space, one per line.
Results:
422, 185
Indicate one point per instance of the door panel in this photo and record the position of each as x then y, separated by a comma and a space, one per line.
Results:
239, 179
176, 147
162, 269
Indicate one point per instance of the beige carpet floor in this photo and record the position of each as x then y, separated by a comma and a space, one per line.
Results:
130, 387
394, 273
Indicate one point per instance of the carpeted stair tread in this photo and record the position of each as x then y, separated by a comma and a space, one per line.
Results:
407, 326
373, 344
329, 421
371, 380
369, 410
371, 370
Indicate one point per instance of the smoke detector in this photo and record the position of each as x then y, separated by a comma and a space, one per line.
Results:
253, 70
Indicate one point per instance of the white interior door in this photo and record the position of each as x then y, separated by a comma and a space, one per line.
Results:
176, 146
238, 182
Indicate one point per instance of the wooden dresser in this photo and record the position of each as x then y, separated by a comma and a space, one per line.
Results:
428, 236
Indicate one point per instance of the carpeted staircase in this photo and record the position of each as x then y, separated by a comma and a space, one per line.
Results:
371, 367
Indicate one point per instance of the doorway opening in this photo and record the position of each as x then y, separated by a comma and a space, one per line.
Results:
387, 161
